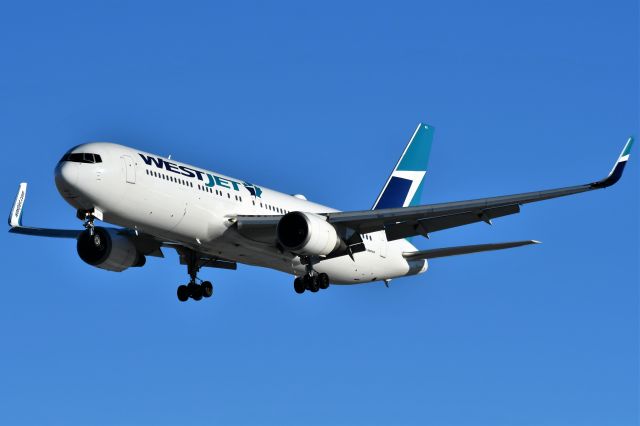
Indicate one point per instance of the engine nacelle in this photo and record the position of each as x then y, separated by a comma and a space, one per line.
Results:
308, 234
107, 249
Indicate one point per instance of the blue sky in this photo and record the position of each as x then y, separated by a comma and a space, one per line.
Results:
320, 99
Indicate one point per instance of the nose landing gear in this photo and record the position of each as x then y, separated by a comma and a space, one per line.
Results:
88, 218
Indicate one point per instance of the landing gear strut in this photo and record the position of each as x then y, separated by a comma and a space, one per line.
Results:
193, 289
312, 280
88, 218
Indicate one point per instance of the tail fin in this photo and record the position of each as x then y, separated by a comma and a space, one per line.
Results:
404, 186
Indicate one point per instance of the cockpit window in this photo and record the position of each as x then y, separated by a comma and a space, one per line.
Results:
80, 157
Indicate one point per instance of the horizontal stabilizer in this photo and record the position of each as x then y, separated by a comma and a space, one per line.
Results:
454, 251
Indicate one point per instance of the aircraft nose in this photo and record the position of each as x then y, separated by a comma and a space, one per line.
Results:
66, 175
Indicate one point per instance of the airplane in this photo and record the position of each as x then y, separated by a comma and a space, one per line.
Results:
217, 221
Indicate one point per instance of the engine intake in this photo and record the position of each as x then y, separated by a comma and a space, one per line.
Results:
106, 249
308, 234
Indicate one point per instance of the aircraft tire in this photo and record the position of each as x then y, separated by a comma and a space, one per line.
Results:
313, 284
183, 293
298, 285
323, 281
196, 292
207, 289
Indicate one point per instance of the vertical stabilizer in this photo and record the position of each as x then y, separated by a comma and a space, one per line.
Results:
404, 186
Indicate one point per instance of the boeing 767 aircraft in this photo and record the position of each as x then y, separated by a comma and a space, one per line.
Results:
217, 221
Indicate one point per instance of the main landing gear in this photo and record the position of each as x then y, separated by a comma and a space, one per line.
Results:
193, 289
312, 280
313, 283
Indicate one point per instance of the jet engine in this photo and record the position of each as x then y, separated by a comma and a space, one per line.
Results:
308, 234
106, 249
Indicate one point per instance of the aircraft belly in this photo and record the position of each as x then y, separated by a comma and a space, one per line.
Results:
367, 267
258, 255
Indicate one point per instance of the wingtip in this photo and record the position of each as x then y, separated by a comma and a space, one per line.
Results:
616, 173
626, 150
15, 216
536, 242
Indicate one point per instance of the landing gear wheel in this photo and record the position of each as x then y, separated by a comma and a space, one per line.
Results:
323, 281
183, 293
313, 284
307, 280
207, 289
196, 292
298, 285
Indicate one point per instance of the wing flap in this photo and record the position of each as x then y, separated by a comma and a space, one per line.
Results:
423, 227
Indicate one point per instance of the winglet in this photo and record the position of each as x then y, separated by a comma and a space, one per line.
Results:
618, 168
15, 217
15, 220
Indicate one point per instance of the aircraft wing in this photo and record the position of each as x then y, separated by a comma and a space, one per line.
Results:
15, 221
145, 243
406, 222
421, 220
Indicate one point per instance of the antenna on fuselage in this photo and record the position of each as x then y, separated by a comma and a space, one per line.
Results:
169, 157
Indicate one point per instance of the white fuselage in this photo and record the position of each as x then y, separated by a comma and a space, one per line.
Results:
179, 203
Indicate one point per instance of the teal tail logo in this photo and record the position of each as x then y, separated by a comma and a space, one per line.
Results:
404, 186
